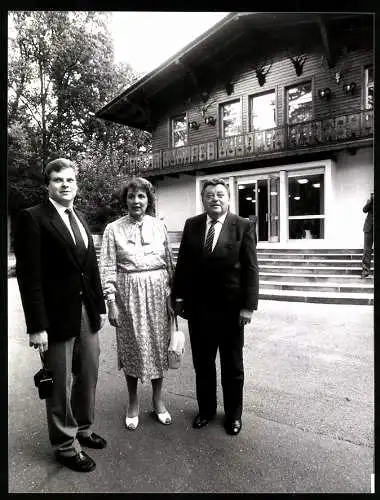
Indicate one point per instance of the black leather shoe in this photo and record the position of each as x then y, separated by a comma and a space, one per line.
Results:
92, 441
200, 421
80, 462
233, 427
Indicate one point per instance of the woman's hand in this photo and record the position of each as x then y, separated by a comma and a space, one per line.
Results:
113, 314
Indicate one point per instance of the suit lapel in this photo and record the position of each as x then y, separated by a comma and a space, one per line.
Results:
59, 226
199, 229
227, 234
61, 230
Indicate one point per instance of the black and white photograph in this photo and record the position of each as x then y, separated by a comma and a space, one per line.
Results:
190, 244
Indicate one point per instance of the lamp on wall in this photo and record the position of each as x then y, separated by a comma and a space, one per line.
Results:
194, 125
210, 120
349, 88
324, 93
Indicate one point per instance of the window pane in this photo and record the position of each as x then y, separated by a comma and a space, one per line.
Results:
306, 229
370, 99
370, 75
263, 111
306, 195
299, 101
369, 87
231, 120
247, 199
179, 131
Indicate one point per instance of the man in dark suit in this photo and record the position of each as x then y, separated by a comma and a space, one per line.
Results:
64, 309
215, 286
368, 237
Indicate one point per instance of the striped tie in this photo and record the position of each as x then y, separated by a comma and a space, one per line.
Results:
210, 238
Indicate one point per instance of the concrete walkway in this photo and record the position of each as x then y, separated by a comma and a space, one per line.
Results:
308, 421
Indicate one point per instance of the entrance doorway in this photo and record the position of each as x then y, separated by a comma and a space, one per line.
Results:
258, 200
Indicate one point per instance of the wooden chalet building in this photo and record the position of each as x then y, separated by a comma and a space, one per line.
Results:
278, 104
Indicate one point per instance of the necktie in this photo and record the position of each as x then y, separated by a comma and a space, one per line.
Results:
81, 247
210, 237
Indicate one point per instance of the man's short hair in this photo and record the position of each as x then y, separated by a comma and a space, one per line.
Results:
214, 182
56, 166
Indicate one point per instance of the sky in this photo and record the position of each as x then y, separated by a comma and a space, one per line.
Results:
147, 39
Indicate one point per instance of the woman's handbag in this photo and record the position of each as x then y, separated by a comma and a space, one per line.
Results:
176, 347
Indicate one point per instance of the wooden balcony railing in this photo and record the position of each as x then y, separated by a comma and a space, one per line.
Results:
309, 134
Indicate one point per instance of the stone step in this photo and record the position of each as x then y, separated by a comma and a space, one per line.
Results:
317, 297
175, 242
310, 256
311, 269
318, 287
303, 263
322, 278
356, 251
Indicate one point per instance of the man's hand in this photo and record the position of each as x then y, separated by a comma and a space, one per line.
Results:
102, 320
39, 340
113, 313
245, 317
178, 307
170, 306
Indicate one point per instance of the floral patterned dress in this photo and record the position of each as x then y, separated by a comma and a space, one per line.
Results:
136, 268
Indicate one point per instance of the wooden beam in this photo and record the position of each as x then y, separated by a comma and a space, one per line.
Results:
325, 40
190, 72
145, 112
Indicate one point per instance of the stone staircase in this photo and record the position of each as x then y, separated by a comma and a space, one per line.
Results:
308, 275
312, 275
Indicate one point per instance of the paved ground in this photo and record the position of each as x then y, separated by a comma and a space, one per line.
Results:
308, 418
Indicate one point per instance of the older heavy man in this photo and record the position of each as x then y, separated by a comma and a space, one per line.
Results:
215, 286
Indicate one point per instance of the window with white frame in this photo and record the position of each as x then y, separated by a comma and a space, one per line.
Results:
230, 114
179, 130
369, 87
299, 103
263, 111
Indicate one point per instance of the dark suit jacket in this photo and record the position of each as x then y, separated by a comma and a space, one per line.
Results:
368, 209
226, 279
52, 282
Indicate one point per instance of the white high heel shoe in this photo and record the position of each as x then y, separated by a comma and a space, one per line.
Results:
165, 417
132, 422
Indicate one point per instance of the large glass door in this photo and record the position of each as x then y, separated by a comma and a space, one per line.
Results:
258, 200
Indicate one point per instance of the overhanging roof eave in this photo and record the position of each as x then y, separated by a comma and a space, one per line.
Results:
169, 62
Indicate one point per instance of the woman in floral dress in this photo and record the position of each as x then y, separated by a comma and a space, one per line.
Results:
136, 270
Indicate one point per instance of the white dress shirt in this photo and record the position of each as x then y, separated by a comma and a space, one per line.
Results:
64, 216
218, 228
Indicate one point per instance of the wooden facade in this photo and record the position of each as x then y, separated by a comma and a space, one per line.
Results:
333, 53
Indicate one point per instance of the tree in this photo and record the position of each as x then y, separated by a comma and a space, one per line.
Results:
60, 71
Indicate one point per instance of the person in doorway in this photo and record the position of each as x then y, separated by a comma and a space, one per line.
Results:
62, 298
215, 286
136, 268
368, 237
